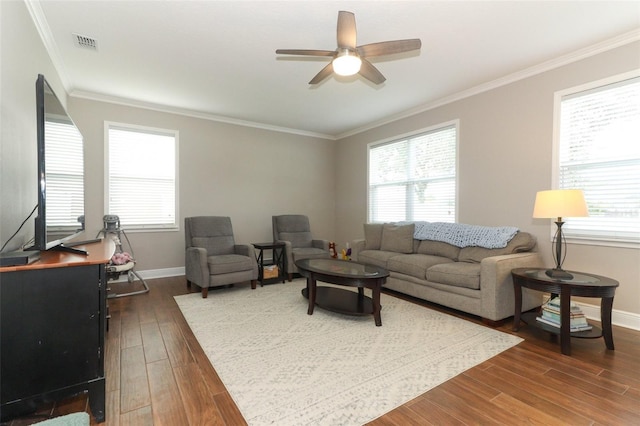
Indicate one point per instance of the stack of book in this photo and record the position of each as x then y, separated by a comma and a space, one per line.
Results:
551, 316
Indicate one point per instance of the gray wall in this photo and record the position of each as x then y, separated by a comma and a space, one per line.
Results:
23, 58
227, 170
505, 156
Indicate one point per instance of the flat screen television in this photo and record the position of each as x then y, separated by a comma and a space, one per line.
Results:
60, 174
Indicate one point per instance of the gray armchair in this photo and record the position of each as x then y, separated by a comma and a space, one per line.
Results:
213, 258
295, 232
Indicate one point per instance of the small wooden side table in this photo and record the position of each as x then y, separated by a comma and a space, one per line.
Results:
582, 284
278, 259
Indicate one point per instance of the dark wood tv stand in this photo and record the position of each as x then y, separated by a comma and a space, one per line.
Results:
52, 330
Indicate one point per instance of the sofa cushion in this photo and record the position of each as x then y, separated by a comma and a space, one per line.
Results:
372, 236
376, 257
439, 248
521, 242
459, 274
397, 238
415, 265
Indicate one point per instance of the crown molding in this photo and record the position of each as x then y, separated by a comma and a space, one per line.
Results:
575, 56
37, 15
40, 21
194, 114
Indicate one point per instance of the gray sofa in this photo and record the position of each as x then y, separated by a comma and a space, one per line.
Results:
471, 279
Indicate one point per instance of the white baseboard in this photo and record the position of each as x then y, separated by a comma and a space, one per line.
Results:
155, 273
619, 318
162, 273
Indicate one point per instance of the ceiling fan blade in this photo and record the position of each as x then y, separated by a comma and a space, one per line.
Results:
307, 52
324, 73
371, 73
346, 30
389, 47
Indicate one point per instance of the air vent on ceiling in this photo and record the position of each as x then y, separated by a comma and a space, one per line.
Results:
85, 42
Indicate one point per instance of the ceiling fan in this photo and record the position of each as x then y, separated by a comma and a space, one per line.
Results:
349, 59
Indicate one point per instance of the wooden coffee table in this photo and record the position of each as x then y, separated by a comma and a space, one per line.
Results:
344, 273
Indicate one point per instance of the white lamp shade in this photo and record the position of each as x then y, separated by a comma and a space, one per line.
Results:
347, 63
560, 203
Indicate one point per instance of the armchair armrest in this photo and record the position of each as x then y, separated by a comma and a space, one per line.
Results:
287, 251
243, 249
496, 284
250, 252
196, 268
321, 244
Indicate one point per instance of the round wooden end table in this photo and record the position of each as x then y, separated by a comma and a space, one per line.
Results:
581, 284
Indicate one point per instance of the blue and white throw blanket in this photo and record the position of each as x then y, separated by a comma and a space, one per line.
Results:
462, 235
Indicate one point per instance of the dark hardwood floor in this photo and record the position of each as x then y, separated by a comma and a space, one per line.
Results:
157, 374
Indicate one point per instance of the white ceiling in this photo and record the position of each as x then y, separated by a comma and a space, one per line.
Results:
217, 58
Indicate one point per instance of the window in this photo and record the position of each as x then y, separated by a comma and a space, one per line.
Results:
599, 152
65, 173
141, 176
414, 178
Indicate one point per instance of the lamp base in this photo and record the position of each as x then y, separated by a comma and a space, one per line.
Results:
558, 274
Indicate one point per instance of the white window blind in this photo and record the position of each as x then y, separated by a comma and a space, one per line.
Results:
414, 178
64, 174
142, 177
599, 152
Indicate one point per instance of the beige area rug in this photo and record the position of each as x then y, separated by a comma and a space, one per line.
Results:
284, 367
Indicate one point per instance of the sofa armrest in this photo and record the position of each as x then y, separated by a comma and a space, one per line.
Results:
356, 247
496, 284
321, 244
195, 266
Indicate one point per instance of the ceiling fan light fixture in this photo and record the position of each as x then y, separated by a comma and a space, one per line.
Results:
346, 63
349, 58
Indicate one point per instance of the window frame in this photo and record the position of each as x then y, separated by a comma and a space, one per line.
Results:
603, 240
108, 125
415, 134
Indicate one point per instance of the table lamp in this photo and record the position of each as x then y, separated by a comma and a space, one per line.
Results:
559, 203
